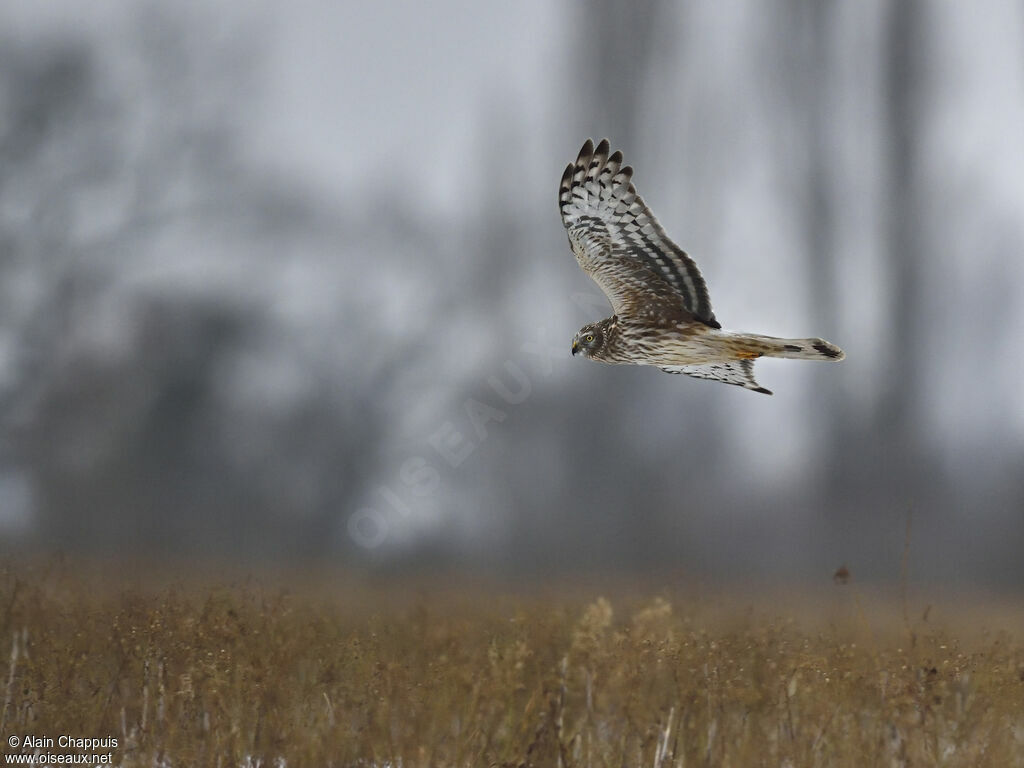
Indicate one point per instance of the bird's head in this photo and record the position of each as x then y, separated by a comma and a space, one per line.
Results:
588, 340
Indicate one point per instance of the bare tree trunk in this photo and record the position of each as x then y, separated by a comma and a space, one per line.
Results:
614, 53
897, 419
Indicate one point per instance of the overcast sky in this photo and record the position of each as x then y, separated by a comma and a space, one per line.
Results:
345, 88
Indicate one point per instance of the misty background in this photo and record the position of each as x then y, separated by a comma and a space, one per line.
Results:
287, 283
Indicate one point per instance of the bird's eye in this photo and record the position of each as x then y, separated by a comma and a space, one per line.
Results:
590, 337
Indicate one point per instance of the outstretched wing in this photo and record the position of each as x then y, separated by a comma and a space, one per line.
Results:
738, 372
619, 243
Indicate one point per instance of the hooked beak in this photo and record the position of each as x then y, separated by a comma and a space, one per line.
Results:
575, 347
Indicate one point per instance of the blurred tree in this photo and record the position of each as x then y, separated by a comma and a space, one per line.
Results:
899, 426
880, 453
143, 270
871, 451
614, 49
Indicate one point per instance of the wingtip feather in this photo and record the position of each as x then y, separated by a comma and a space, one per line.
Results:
566, 182
586, 153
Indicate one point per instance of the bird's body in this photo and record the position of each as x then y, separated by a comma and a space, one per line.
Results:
662, 312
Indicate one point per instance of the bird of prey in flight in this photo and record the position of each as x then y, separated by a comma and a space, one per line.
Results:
661, 311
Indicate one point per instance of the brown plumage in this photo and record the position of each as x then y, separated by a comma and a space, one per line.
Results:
662, 311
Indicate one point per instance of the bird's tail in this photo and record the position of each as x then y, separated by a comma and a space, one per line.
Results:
794, 349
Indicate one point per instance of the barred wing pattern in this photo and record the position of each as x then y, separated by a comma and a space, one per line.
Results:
621, 245
738, 372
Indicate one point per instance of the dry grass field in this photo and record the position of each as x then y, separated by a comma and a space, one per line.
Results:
420, 675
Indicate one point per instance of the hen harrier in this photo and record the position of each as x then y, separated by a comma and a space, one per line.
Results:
662, 313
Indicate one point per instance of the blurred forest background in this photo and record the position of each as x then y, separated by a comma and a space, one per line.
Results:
287, 283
